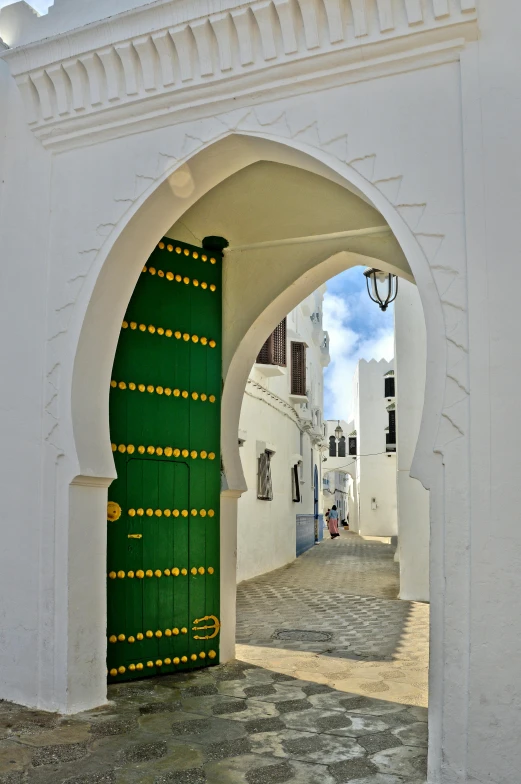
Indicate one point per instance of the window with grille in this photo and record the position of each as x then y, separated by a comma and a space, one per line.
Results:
352, 445
389, 386
273, 351
332, 446
391, 435
342, 447
295, 483
264, 486
298, 369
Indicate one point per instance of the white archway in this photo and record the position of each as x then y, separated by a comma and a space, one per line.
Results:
100, 309
120, 260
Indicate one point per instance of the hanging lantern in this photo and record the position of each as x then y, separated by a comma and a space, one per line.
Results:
382, 287
338, 432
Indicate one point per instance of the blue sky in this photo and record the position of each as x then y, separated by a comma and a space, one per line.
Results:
357, 330
39, 5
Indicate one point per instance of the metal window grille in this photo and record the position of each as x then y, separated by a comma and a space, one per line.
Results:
342, 447
295, 483
298, 369
352, 445
273, 351
390, 438
332, 446
264, 485
389, 386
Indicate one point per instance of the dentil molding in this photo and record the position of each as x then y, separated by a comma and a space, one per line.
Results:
171, 58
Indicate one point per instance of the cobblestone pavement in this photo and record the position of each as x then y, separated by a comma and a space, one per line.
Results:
312, 711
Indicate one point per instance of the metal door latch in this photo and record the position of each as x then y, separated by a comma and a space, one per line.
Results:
135, 536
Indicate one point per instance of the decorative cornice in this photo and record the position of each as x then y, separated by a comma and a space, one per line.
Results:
282, 407
167, 58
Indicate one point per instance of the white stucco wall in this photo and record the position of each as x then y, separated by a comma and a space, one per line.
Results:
375, 469
436, 150
5, 82
270, 416
25, 665
413, 499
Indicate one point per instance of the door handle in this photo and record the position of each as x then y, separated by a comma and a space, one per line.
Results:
135, 536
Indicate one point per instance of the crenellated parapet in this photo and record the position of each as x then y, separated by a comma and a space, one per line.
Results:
181, 57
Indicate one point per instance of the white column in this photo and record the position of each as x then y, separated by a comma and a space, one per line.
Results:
413, 499
229, 503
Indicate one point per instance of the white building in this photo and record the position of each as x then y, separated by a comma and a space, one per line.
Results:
337, 467
336, 491
282, 438
375, 425
386, 134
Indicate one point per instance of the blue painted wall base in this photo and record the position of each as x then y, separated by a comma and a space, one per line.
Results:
306, 532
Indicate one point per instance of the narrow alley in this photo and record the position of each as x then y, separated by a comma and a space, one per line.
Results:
329, 687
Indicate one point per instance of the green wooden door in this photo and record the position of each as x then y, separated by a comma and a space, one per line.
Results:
163, 510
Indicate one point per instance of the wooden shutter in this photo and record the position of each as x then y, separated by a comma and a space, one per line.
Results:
264, 486
263, 357
342, 447
279, 344
352, 445
298, 369
295, 482
273, 351
332, 446
390, 438
389, 386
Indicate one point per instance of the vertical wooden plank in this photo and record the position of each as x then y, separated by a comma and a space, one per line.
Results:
134, 585
181, 560
213, 427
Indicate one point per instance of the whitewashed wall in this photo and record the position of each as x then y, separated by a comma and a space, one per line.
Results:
5, 83
375, 469
271, 418
435, 150
413, 499
353, 506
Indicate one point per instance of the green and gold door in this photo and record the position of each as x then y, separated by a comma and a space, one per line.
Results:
163, 510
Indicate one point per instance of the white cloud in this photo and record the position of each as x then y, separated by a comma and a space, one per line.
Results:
347, 346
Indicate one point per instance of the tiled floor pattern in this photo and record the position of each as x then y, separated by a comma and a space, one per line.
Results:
377, 645
278, 714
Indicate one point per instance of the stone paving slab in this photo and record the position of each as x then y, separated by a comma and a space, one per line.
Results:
377, 646
185, 740
347, 706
